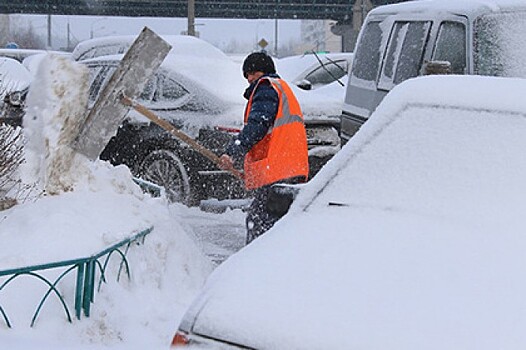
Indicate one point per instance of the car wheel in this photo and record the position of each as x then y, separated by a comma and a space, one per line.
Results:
165, 168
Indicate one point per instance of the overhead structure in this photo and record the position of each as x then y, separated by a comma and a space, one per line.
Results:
261, 9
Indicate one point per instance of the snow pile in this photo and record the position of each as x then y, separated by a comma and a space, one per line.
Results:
56, 106
86, 207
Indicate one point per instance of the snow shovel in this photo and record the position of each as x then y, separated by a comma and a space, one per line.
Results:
141, 60
177, 133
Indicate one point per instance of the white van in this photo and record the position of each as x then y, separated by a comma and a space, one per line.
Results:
398, 42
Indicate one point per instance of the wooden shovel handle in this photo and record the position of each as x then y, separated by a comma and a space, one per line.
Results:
178, 133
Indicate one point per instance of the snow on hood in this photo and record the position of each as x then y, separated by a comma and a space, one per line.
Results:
321, 102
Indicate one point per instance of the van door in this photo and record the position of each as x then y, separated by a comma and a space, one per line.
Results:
389, 51
361, 87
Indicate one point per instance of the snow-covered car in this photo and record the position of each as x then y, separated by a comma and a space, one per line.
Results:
411, 237
199, 89
312, 71
14, 84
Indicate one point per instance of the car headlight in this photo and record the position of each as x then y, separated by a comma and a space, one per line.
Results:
15, 98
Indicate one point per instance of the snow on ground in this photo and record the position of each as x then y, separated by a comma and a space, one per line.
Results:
93, 206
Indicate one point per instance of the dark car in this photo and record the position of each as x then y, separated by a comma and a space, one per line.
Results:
14, 84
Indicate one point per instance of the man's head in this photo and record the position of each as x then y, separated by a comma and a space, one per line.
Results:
257, 64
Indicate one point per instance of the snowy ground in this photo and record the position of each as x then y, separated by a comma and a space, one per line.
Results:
217, 235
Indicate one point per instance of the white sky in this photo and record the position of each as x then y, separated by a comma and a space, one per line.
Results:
216, 31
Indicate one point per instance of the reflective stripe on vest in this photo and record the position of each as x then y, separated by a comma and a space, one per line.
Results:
286, 116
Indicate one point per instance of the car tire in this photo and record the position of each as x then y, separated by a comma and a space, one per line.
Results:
165, 168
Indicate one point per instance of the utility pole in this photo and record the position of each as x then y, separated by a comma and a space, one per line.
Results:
276, 36
191, 18
49, 31
68, 40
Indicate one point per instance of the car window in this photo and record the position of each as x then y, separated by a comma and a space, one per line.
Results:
171, 90
451, 46
328, 73
103, 50
412, 51
163, 91
367, 59
405, 51
149, 91
393, 50
98, 77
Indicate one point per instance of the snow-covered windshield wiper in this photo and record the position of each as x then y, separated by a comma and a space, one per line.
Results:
328, 71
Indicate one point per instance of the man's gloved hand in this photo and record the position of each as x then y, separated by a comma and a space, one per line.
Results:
225, 162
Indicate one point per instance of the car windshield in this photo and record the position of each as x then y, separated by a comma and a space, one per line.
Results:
500, 44
422, 164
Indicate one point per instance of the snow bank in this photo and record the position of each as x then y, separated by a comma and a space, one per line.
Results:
93, 206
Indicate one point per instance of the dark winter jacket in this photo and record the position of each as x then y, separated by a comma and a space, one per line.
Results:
261, 118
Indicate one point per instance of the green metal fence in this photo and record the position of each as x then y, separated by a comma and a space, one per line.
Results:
86, 271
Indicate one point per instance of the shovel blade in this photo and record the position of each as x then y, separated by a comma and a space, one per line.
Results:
143, 58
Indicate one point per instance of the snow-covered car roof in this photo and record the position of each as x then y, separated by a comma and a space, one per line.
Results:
213, 83
13, 76
412, 237
471, 7
119, 44
21, 54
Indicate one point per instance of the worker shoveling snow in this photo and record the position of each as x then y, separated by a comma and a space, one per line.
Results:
80, 207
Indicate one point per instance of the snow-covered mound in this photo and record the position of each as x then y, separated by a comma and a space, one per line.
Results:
82, 208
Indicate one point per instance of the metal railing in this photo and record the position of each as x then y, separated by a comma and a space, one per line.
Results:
86, 269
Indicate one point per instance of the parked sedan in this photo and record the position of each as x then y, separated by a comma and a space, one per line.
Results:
412, 237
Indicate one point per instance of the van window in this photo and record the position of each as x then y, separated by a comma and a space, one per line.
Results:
367, 59
412, 51
451, 46
405, 50
393, 50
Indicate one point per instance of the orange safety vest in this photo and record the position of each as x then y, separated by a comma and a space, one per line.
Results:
282, 153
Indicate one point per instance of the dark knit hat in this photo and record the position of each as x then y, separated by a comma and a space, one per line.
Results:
258, 62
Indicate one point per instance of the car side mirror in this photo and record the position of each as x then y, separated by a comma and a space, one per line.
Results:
437, 67
304, 85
